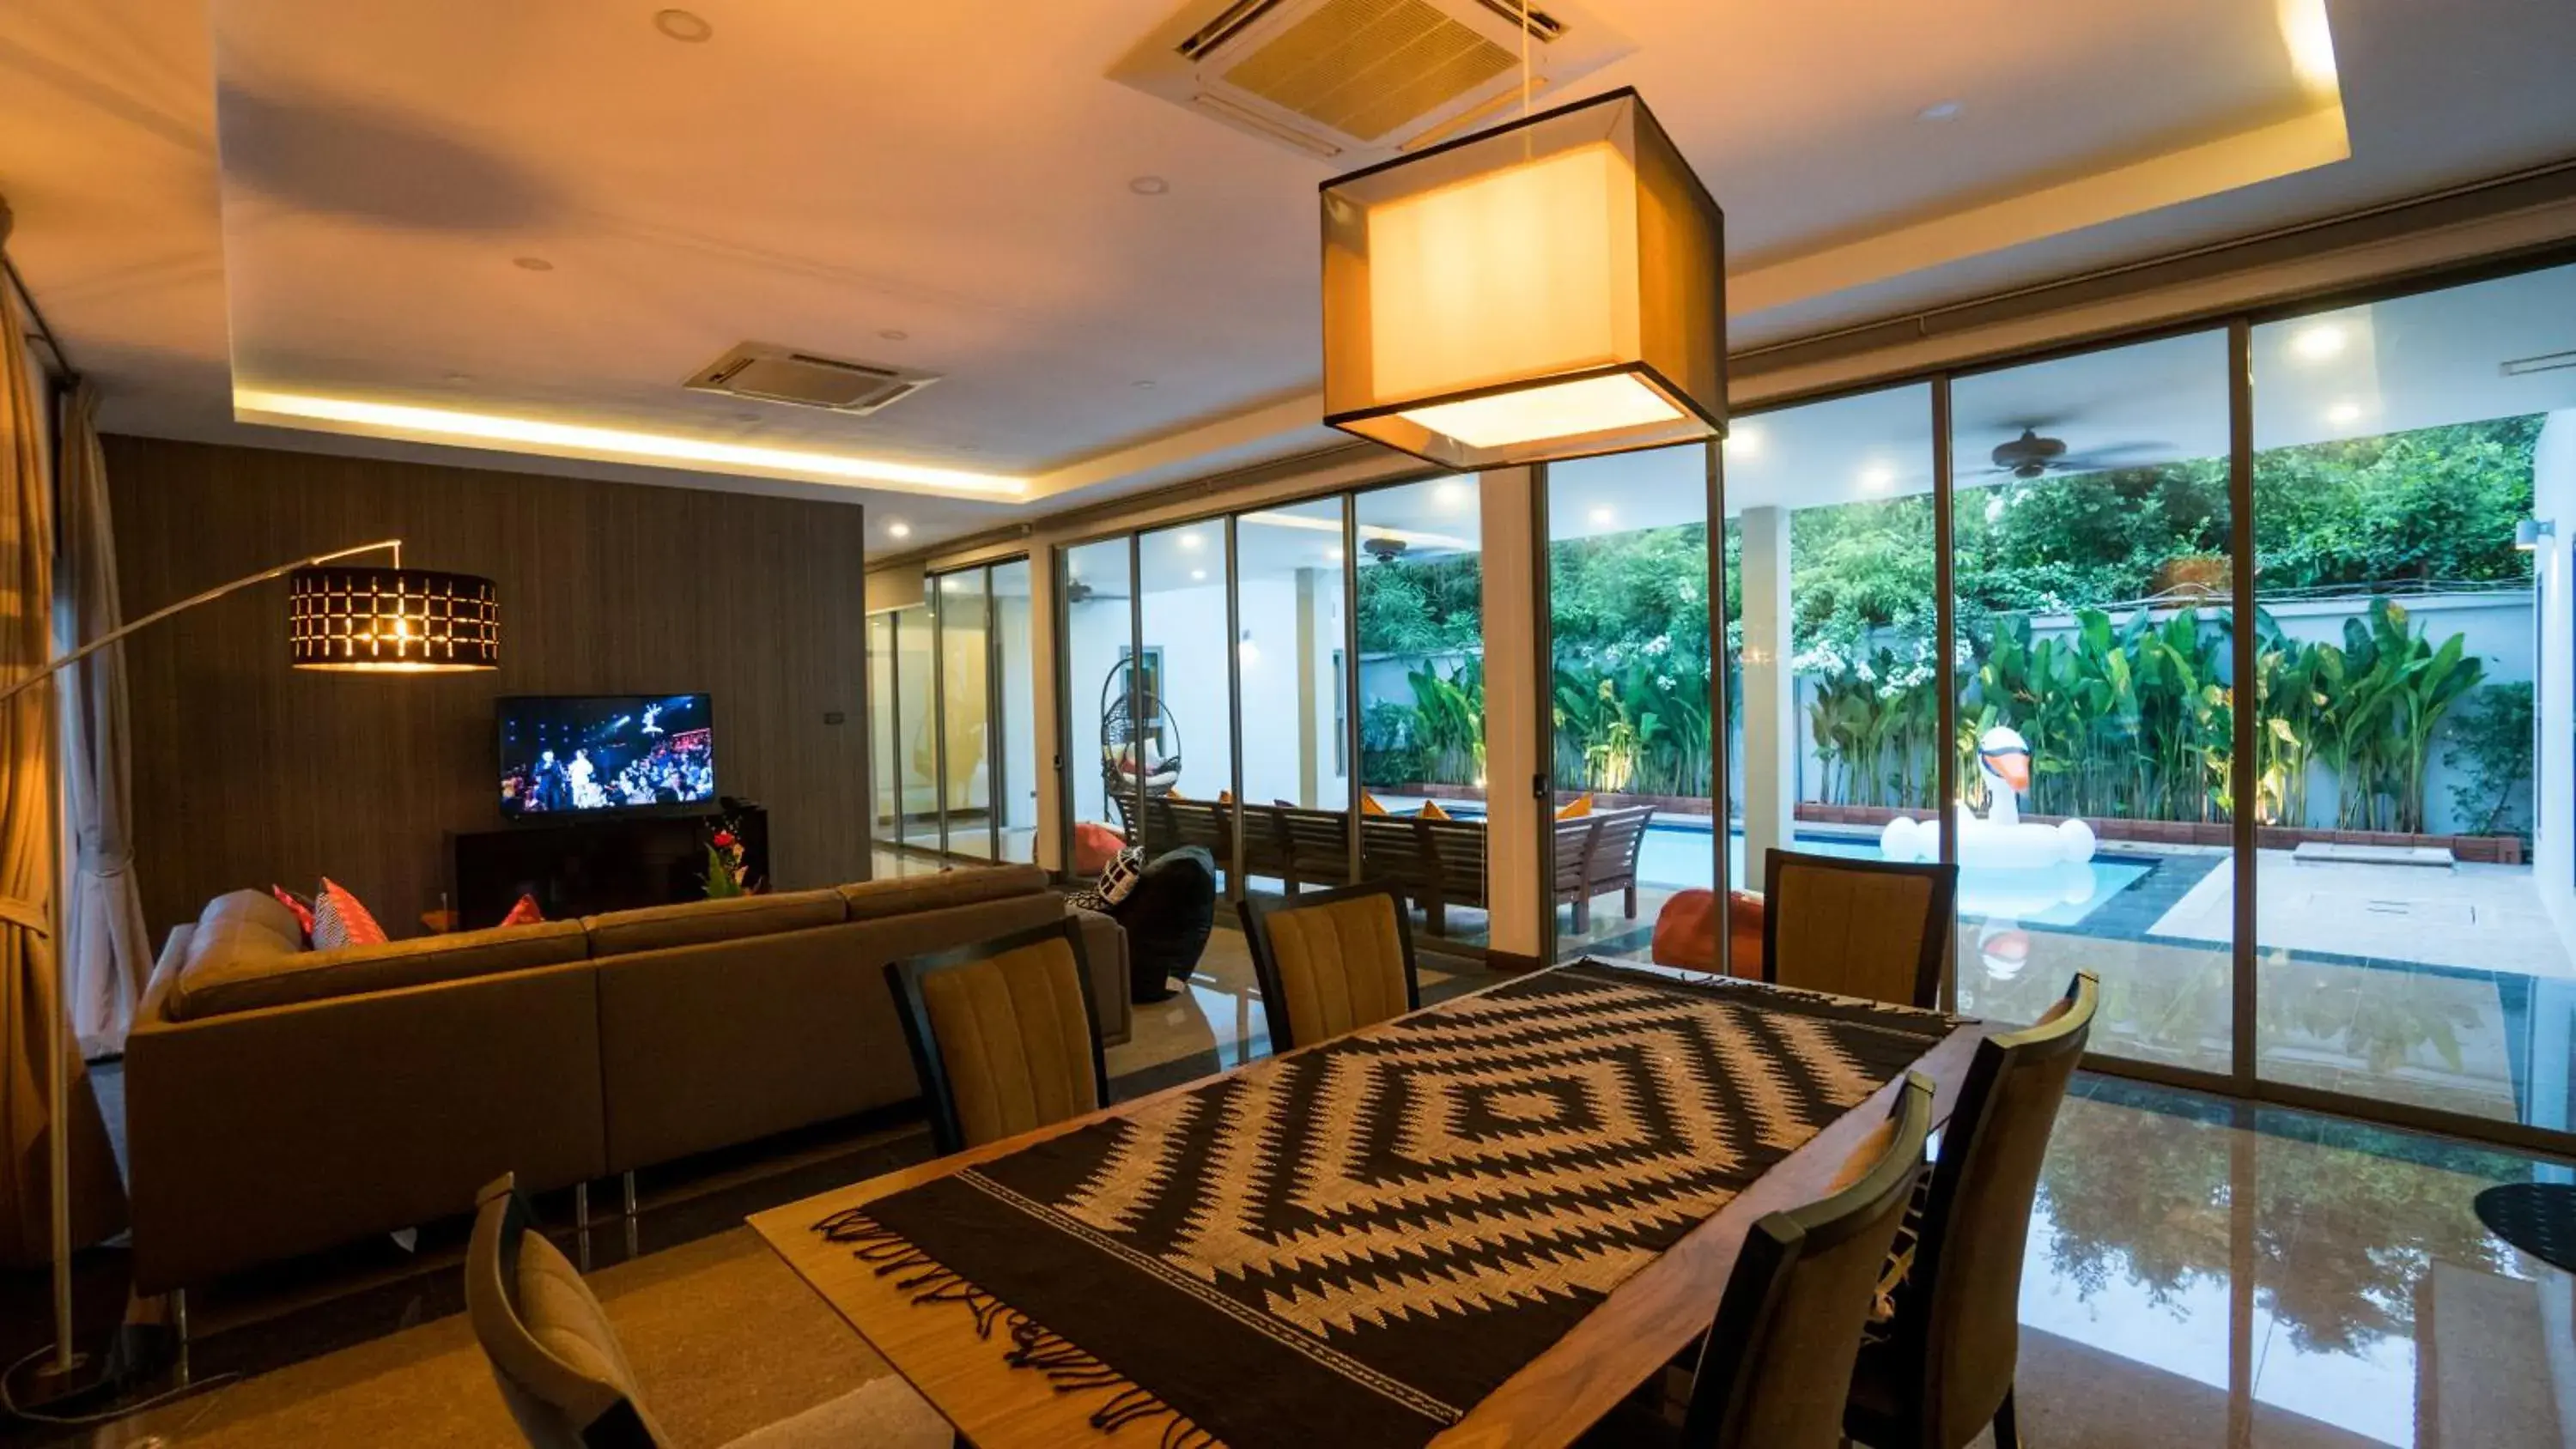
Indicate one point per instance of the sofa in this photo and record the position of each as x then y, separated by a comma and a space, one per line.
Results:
281, 1100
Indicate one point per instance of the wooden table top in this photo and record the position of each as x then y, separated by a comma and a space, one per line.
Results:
1549, 1402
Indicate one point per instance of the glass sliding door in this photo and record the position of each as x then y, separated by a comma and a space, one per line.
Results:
916, 729
1292, 572
1833, 644
1099, 635
1634, 766
1015, 763
2414, 483
965, 682
1422, 700
884, 771
2094, 626
1184, 713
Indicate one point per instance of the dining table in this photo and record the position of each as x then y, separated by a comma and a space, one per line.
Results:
1484, 1222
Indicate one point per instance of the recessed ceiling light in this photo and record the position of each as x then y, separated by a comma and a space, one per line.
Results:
1745, 441
685, 26
1198, 576
1334, 554
1604, 516
2344, 412
1191, 540
532, 264
2320, 342
1149, 185
1940, 111
897, 528
460, 377
1878, 477
894, 334
1453, 492
1145, 384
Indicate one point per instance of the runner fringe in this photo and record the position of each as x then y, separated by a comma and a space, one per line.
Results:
1069, 1368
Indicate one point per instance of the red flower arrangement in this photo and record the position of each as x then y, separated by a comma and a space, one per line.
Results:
727, 873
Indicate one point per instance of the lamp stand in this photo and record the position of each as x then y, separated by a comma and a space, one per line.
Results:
68, 1376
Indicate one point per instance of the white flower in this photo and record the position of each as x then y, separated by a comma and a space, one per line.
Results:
1664, 682
1655, 647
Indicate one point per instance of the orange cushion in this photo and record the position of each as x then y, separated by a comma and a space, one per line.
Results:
1431, 811
302, 908
1094, 846
1225, 797
1686, 932
339, 920
1576, 808
1369, 805
525, 913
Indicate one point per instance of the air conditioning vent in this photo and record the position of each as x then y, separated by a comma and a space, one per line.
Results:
803, 379
1355, 81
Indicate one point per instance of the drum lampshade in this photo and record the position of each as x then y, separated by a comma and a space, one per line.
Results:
1548, 289
393, 621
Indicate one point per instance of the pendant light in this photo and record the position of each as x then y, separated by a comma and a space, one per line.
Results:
1548, 289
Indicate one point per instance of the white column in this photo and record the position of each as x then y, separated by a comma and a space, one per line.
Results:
1770, 770
1515, 694
1046, 710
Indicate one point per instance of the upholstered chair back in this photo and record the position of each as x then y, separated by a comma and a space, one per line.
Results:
559, 1367
1331, 962
1867, 928
1001, 1034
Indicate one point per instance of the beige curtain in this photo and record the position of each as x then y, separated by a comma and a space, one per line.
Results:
27, 998
106, 951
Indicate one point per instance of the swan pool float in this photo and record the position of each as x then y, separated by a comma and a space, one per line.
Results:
2006, 869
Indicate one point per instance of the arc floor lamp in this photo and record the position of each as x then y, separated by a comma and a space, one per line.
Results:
363, 619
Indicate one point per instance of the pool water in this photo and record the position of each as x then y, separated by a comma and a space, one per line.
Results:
1675, 856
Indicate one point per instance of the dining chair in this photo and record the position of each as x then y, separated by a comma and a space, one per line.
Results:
1001, 1034
1774, 1365
1331, 962
1940, 1369
1877, 929
565, 1377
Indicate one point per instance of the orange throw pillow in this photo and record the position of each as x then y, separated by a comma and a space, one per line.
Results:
302, 908
1431, 811
525, 913
1094, 846
1576, 808
339, 920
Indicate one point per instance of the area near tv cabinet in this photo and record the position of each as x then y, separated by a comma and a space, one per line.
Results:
586, 867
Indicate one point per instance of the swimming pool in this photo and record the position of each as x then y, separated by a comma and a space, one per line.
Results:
1676, 856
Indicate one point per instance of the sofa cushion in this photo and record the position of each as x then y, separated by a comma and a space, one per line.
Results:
875, 899
695, 923
233, 967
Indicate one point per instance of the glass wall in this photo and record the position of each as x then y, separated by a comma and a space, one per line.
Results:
916, 741
2092, 571
1099, 636
884, 769
1184, 711
1015, 779
965, 704
1635, 749
1421, 696
2414, 873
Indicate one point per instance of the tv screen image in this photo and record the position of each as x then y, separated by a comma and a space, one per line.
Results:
567, 754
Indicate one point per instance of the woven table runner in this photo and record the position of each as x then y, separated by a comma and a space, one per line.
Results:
1355, 1245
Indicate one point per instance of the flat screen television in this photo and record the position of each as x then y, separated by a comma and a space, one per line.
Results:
592, 753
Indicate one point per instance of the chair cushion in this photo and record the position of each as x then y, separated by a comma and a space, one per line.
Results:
880, 1414
695, 923
903, 895
562, 1315
1014, 1040
1341, 966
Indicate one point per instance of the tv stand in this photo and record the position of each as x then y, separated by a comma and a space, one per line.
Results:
589, 865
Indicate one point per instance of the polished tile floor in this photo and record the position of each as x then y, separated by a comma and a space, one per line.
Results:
2199, 1272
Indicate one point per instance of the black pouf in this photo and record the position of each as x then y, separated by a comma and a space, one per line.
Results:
1167, 918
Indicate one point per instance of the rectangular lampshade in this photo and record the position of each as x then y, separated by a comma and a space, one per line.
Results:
1548, 289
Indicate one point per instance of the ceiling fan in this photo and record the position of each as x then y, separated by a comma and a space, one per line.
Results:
2032, 456
1382, 548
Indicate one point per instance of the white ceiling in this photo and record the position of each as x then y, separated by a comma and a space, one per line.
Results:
818, 175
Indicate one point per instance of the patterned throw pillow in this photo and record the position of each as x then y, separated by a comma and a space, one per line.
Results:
525, 913
1125, 869
338, 920
302, 908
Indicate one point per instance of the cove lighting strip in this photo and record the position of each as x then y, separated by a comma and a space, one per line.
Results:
393, 420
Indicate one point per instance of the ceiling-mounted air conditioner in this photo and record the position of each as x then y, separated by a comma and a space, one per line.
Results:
1355, 81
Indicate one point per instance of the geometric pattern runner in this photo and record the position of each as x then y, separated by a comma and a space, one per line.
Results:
1355, 1245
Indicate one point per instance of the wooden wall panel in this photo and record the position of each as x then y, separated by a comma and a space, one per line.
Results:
248, 772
